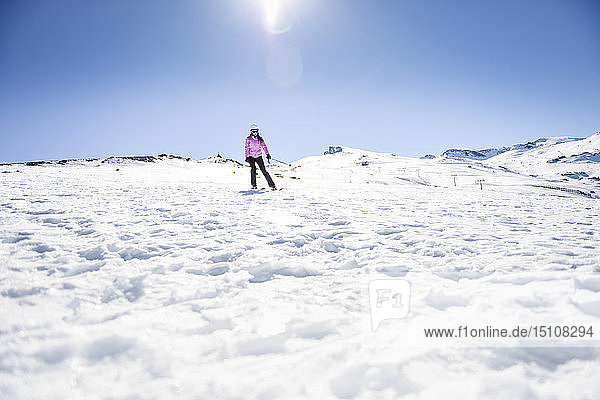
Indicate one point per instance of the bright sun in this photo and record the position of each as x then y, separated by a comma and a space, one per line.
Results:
279, 16
271, 9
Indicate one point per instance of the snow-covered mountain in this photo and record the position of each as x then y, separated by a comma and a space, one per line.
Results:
483, 154
552, 158
162, 277
520, 148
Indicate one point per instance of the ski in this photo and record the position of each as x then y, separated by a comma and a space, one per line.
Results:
258, 191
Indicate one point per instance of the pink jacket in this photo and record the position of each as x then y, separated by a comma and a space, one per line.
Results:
254, 146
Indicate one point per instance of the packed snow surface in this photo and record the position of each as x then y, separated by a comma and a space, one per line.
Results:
171, 279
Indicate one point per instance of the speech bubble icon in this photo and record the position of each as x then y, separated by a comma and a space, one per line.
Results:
388, 299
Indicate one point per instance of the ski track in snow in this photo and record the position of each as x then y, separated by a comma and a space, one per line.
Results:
158, 281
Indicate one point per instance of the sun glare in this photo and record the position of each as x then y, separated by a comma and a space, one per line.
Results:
271, 9
278, 15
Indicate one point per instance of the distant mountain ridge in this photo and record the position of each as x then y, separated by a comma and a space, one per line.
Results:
485, 154
124, 160
562, 157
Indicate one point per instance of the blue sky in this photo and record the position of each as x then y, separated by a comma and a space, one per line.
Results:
120, 77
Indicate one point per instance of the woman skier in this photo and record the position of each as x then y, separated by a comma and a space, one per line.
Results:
254, 146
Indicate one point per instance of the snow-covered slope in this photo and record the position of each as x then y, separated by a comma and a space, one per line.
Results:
483, 154
170, 279
553, 158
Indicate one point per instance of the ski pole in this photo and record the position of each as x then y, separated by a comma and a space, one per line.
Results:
283, 162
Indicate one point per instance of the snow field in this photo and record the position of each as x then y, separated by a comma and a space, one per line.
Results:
171, 279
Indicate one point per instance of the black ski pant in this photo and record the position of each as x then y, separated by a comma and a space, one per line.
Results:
261, 164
